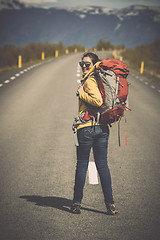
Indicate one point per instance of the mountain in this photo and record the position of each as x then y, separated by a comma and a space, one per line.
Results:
132, 26
11, 4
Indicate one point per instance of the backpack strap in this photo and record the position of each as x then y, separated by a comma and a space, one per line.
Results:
125, 131
119, 139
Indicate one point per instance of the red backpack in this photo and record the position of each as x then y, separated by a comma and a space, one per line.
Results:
111, 77
113, 86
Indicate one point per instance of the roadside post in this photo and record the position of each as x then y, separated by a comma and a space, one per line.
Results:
67, 51
19, 61
142, 68
56, 53
42, 56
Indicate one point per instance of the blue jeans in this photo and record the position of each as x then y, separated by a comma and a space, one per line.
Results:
96, 137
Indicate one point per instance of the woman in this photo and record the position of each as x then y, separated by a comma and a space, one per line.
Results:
91, 135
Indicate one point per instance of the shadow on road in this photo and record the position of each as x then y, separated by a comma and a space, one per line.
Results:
56, 202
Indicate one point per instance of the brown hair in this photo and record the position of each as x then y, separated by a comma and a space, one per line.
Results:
92, 56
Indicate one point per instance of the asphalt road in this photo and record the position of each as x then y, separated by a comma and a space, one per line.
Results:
38, 159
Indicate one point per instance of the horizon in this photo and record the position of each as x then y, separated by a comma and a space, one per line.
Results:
116, 4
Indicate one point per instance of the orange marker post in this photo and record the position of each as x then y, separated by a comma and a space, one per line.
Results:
56, 53
67, 51
19, 61
43, 56
142, 68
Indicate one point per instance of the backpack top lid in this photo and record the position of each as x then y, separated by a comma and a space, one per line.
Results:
115, 65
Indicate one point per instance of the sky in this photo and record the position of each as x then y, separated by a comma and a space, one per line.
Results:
101, 3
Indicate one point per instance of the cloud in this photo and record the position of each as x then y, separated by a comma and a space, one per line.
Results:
103, 3
38, 1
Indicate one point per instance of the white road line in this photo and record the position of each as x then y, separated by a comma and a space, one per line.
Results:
78, 81
7, 81
21, 72
78, 74
17, 75
146, 83
12, 78
93, 176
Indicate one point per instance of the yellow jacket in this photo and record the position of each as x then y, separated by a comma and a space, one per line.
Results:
90, 95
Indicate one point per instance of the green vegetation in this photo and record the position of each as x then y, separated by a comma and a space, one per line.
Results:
31, 53
149, 54
107, 45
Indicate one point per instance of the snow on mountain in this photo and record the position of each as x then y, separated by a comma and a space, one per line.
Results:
11, 4
134, 10
132, 26
137, 10
82, 12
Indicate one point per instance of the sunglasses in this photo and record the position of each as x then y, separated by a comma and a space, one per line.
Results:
87, 64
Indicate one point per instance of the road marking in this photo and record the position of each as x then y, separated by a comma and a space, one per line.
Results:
12, 78
7, 81
92, 170
78, 74
146, 83
21, 72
